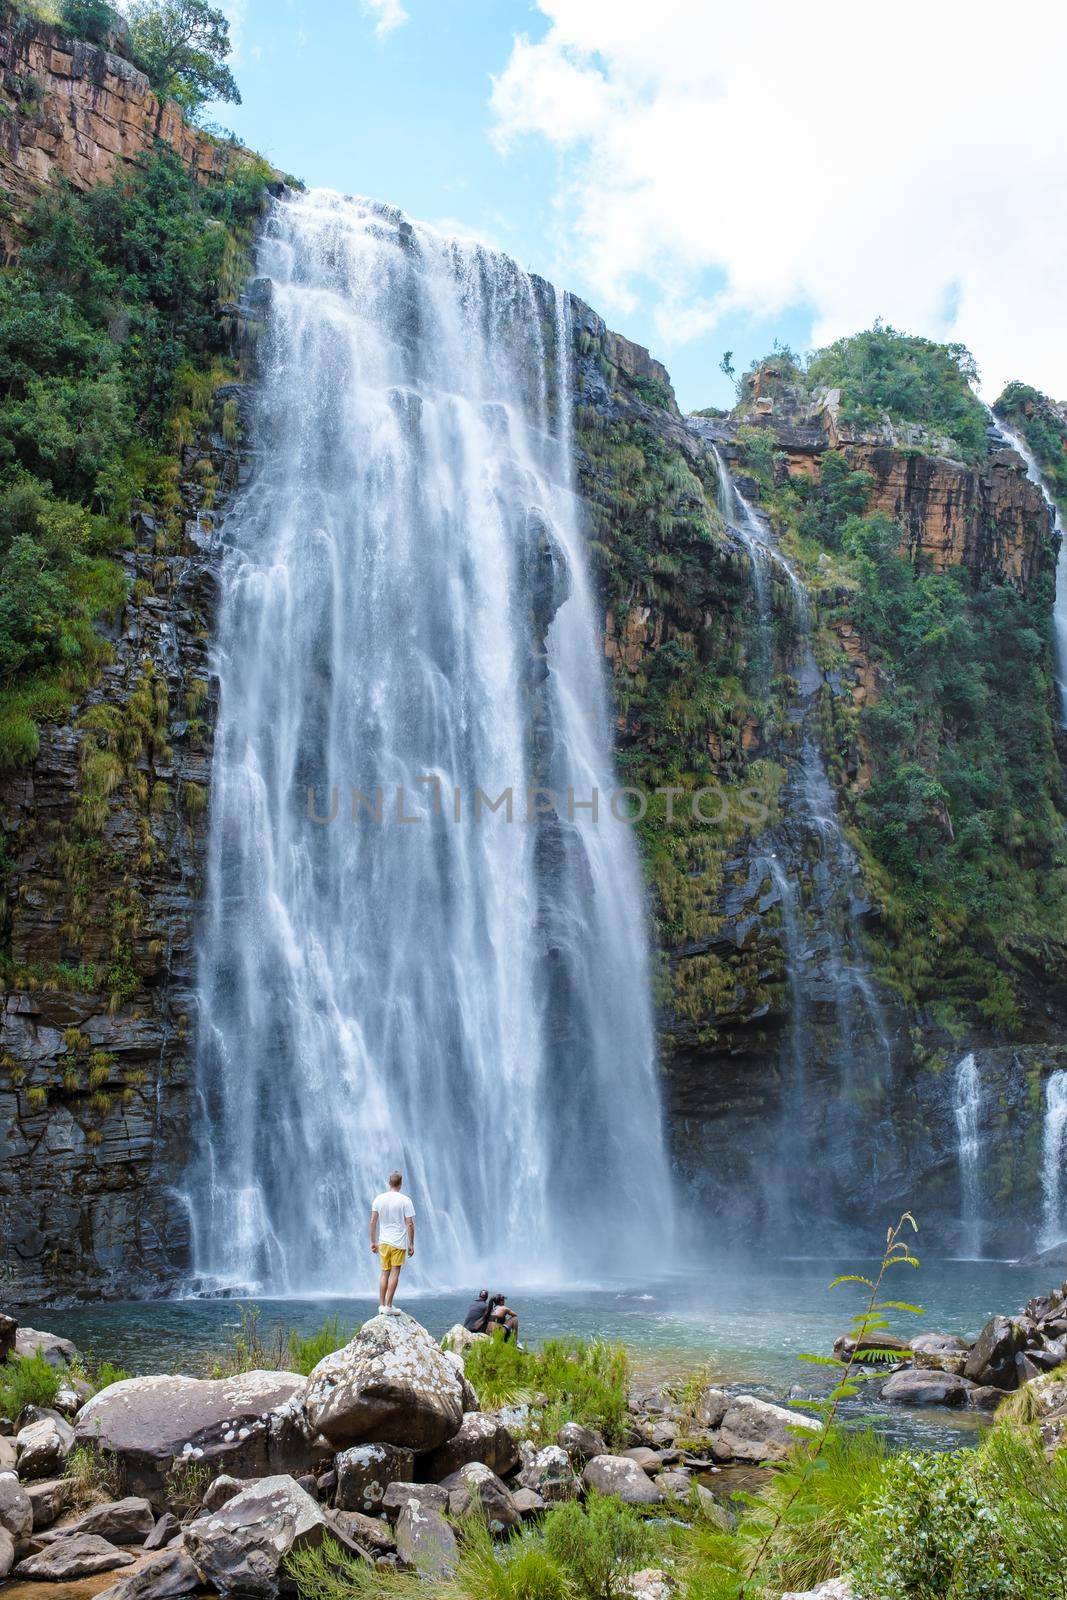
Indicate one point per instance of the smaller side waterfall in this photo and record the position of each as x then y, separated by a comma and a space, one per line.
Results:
1059, 609
967, 1103
1054, 1155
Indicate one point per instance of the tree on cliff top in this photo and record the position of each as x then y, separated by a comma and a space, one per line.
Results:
182, 45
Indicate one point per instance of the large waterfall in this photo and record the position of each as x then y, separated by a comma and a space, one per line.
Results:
392, 972
966, 1107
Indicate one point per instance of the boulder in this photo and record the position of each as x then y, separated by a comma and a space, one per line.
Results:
247, 1425
860, 1351
59, 1353
8, 1331
711, 1407
1046, 1400
431, 1496
16, 1508
646, 1458
460, 1339
366, 1471
425, 1542
481, 1436
168, 1574
8, 1454
166, 1529
240, 1548
662, 1435
675, 1483
756, 1430
923, 1387
49, 1499
7, 1553
620, 1476
470, 1398
983, 1397
580, 1443
220, 1490
80, 1556
651, 1583
128, 1521
831, 1589
369, 1534
43, 1447
549, 1473
475, 1490
992, 1357
528, 1503
391, 1384
940, 1352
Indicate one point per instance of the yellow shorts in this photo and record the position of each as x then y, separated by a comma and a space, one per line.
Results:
391, 1255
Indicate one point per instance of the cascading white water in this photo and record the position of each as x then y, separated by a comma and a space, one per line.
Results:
966, 1105
406, 609
1054, 1158
815, 872
1059, 609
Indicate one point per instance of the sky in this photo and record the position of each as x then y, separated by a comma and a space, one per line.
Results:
710, 177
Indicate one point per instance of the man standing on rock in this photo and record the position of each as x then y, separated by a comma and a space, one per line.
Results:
392, 1236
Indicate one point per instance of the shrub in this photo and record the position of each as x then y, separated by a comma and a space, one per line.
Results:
26, 1381
520, 1570
598, 1547
584, 1382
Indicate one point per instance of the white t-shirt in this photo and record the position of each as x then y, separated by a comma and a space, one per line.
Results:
393, 1208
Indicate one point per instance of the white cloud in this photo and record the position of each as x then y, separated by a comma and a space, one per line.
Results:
856, 160
390, 15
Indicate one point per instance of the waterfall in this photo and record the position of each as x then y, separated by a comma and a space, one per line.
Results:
1054, 1156
407, 620
1059, 610
817, 876
966, 1105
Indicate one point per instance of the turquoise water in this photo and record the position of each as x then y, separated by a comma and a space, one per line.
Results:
746, 1324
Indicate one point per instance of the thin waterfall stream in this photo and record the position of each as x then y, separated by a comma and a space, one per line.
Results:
393, 972
817, 877
966, 1106
1054, 1159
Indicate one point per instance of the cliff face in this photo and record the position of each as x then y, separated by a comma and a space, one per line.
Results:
70, 110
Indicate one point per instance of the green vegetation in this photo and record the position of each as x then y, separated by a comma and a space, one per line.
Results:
110, 348
583, 1382
26, 1381
883, 373
183, 45
1044, 427
284, 1350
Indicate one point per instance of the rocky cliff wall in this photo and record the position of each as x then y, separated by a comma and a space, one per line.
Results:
72, 111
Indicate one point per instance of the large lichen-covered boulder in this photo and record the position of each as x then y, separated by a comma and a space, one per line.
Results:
392, 1384
425, 1542
481, 1436
476, 1491
623, 1478
365, 1472
241, 1547
755, 1430
248, 1425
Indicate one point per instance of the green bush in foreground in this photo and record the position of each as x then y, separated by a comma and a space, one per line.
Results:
584, 1383
26, 1381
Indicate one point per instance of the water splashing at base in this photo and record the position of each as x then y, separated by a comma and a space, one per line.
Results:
406, 606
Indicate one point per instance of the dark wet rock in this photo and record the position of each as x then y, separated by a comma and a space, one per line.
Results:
8, 1329
128, 1521
425, 1542
481, 1436
430, 1495
475, 1490
168, 1574
391, 1384
240, 1548
365, 1472
580, 1443
620, 1476
550, 1474
244, 1425
983, 1397
80, 1556
926, 1387
992, 1358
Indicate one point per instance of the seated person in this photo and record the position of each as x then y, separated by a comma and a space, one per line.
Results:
478, 1315
502, 1316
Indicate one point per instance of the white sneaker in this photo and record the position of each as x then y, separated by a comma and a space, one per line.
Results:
381, 1311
